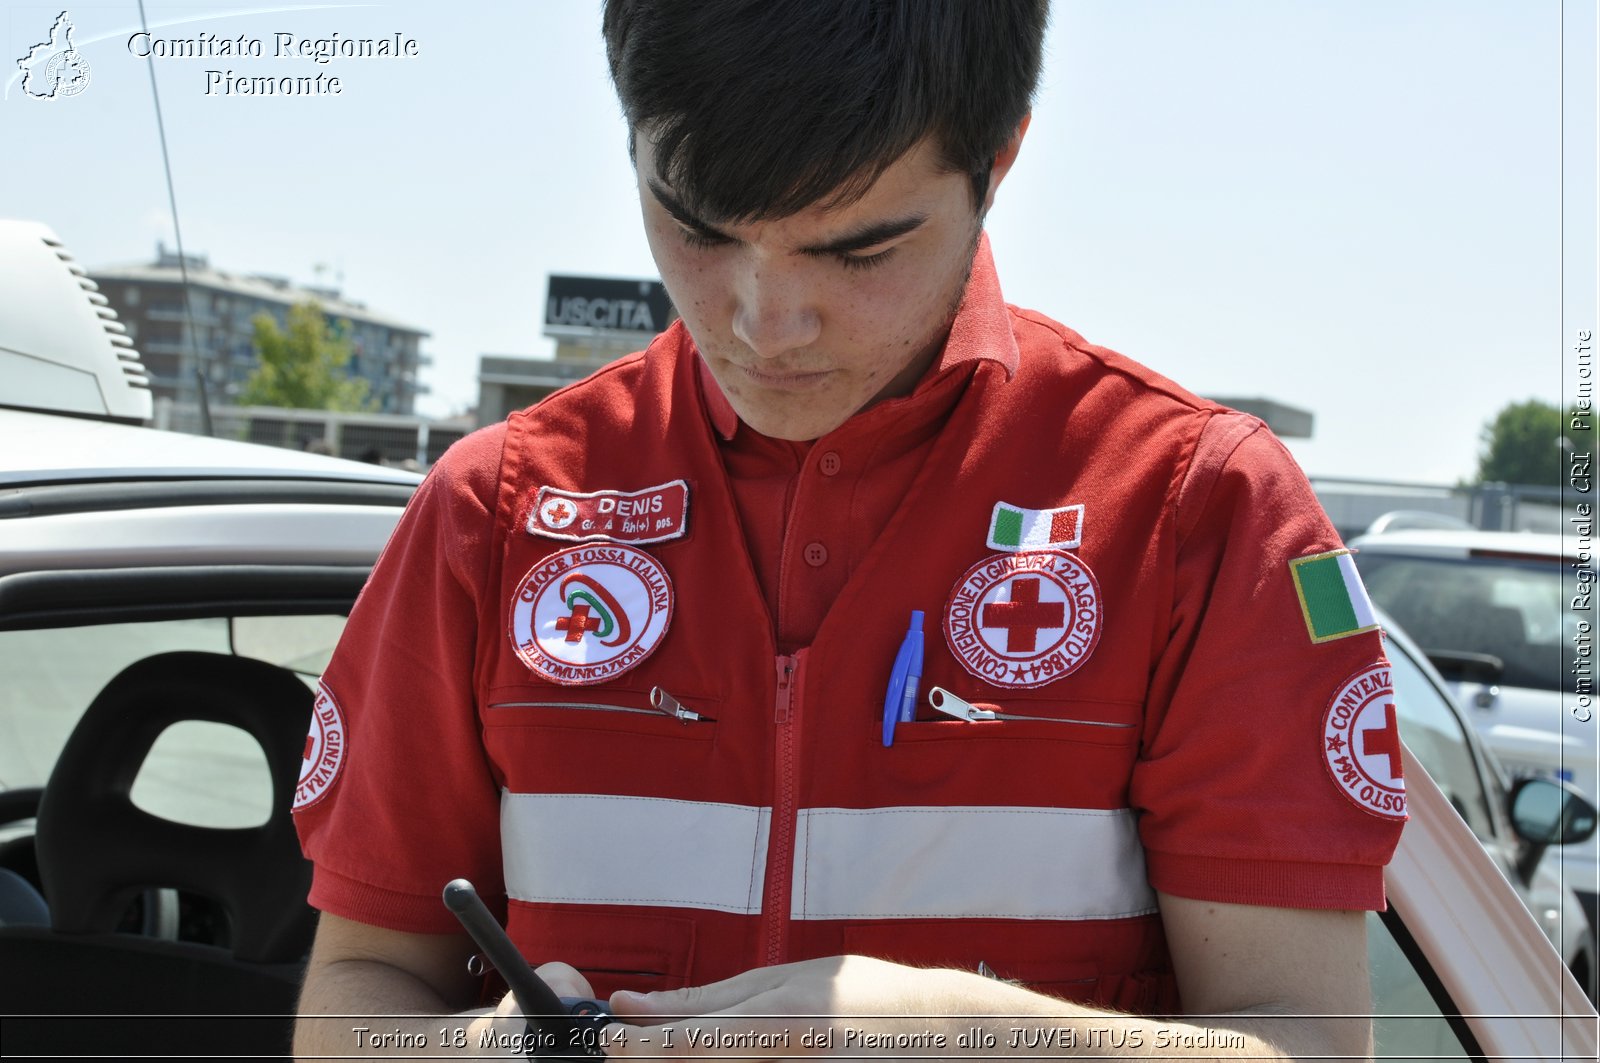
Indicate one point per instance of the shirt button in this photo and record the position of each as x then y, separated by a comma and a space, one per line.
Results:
830, 464
816, 555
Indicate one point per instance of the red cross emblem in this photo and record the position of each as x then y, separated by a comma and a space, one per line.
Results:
1024, 616
322, 757
1361, 740
579, 622
1384, 741
1046, 601
619, 597
559, 512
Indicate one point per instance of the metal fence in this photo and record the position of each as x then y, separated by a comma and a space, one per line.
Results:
380, 438
1353, 505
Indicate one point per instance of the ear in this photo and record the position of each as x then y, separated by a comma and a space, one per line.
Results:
1003, 161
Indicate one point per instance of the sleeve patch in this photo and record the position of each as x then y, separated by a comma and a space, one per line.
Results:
1361, 743
324, 752
1332, 599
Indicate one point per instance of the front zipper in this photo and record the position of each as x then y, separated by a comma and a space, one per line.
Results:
661, 704
780, 849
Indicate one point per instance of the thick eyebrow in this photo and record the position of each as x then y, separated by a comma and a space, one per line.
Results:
869, 235
681, 214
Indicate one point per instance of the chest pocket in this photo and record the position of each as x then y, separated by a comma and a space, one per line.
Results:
552, 739
1014, 750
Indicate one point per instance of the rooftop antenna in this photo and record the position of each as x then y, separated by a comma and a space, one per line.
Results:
183, 259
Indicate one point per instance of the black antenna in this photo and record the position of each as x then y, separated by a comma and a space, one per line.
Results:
534, 996
183, 259
563, 1028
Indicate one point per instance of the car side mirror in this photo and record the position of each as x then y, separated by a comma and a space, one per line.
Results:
1546, 812
1459, 666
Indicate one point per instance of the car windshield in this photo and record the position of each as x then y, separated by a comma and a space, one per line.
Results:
1510, 609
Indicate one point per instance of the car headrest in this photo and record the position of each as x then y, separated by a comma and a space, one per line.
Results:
97, 850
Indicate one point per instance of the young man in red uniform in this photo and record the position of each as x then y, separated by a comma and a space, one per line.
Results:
630, 662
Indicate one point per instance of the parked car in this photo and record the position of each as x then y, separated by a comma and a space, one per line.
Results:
1499, 813
165, 604
1505, 618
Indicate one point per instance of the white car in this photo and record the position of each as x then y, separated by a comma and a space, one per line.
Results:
166, 604
1506, 618
1502, 815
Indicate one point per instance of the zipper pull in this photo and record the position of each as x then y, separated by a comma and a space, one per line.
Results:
783, 703
663, 702
950, 705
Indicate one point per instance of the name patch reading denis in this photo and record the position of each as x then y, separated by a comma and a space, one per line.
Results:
590, 613
652, 515
1025, 619
1361, 743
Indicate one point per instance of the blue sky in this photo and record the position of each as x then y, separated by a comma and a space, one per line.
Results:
1350, 206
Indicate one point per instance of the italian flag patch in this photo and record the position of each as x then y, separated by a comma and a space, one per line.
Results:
1332, 599
1016, 529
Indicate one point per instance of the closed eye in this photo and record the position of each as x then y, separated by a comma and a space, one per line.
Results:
865, 261
701, 240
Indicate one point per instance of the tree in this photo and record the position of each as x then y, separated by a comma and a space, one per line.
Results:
303, 367
1531, 442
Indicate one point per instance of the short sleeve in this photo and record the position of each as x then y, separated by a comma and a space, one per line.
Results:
1238, 797
411, 801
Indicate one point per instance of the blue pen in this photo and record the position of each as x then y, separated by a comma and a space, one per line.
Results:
900, 701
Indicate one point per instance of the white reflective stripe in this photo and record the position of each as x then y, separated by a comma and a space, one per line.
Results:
914, 862
968, 862
601, 849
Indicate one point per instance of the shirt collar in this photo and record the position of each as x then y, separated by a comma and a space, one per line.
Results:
980, 332
982, 327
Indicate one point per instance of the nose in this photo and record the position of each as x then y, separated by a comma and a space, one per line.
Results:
774, 312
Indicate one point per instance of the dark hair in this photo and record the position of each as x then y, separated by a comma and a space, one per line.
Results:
761, 108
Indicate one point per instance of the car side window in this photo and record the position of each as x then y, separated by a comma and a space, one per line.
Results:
1435, 736
52, 674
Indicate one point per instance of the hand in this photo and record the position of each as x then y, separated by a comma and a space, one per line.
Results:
505, 1029
762, 1014
565, 980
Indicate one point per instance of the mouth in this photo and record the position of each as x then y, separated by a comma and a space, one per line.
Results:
784, 379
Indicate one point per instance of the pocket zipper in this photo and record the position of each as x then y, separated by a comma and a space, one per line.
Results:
951, 705
661, 704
